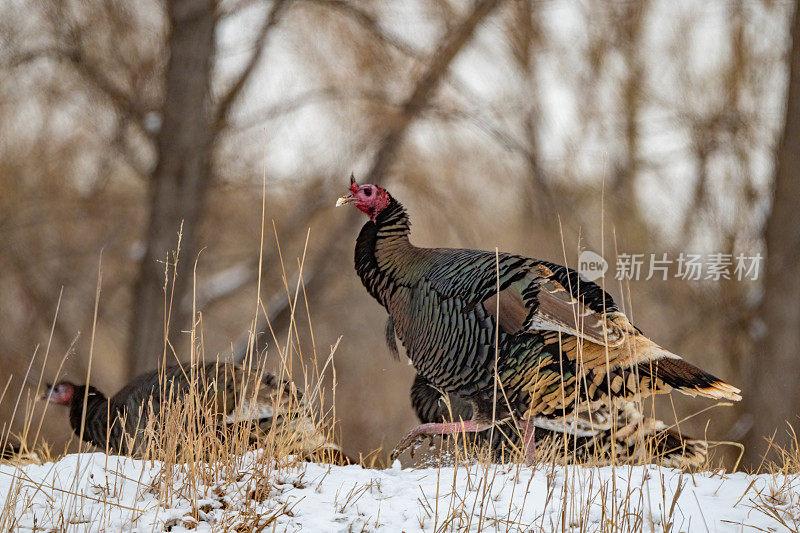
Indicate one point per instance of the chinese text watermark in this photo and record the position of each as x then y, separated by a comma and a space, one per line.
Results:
686, 266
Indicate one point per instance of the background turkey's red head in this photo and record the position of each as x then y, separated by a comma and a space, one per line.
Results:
60, 393
369, 199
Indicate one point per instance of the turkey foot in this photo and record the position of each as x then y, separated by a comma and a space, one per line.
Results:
445, 428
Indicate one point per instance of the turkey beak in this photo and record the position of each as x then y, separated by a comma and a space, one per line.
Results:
47, 391
346, 199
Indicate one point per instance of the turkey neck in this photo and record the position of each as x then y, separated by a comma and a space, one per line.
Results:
96, 421
380, 247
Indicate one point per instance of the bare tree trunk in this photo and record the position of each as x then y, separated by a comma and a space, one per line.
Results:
772, 397
179, 181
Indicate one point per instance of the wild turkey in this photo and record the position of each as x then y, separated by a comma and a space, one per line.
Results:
563, 346
230, 394
621, 437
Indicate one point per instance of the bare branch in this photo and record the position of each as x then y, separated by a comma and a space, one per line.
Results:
446, 50
474, 117
121, 101
227, 101
229, 11
370, 23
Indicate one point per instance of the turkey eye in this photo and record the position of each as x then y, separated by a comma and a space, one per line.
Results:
367, 192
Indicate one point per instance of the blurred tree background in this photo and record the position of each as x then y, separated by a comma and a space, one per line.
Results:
541, 127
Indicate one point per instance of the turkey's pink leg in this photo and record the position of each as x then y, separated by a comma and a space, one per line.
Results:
443, 428
529, 441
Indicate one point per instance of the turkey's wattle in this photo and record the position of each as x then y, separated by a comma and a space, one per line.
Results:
563, 348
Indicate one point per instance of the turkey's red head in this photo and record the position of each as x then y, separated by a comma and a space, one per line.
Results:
60, 393
369, 199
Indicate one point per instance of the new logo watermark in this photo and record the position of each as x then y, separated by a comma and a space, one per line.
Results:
591, 265
686, 266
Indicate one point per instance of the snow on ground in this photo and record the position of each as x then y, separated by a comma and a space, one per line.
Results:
93, 492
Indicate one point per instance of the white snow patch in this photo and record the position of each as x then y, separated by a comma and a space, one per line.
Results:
93, 492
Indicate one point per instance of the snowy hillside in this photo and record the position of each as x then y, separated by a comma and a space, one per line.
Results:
93, 492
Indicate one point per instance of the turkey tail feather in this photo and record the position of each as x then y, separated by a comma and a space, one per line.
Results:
689, 379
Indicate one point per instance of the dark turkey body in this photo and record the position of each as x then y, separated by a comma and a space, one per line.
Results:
435, 299
119, 421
